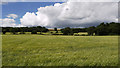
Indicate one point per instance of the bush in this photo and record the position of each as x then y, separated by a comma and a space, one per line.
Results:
22, 32
4, 31
67, 31
51, 33
34, 32
14, 32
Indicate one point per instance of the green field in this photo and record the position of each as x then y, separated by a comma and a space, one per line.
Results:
50, 50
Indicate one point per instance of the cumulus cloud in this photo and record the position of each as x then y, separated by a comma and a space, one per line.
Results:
14, 16
9, 21
72, 14
6, 22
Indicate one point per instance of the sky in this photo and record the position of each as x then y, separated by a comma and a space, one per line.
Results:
58, 14
20, 8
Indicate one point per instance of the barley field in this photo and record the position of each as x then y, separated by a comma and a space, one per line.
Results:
50, 50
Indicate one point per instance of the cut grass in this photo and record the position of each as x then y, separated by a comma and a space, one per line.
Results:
40, 50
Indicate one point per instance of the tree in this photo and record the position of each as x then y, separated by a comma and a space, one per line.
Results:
4, 31
34, 32
39, 29
114, 28
13, 30
55, 29
67, 31
91, 30
42, 29
102, 29
22, 30
77, 30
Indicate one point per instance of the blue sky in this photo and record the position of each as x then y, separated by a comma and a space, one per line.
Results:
20, 8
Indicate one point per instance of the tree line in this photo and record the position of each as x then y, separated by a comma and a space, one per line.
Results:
105, 29
22, 30
102, 29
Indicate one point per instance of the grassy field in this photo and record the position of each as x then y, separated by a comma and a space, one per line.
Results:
49, 50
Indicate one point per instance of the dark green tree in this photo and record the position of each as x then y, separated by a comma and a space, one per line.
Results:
4, 31
22, 30
67, 31
102, 29
55, 29
114, 28
91, 30
34, 32
13, 30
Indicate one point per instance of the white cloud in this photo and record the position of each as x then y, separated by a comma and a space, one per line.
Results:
73, 14
94, 0
6, 22
14, 16
10, 21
